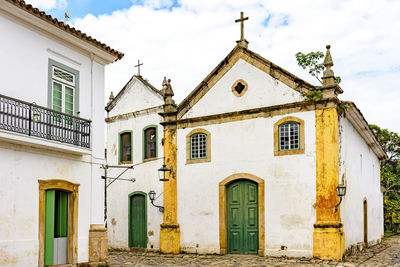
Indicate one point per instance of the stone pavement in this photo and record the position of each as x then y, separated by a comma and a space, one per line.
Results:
385, 254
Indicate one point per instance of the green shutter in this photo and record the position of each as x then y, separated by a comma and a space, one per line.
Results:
61, 214
57, 96
49, 227
69, 100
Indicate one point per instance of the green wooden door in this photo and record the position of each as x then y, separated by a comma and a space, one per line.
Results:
242, 217
137, 221
56, 227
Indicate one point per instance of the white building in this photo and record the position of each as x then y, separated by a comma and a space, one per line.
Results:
256, 156
51, 140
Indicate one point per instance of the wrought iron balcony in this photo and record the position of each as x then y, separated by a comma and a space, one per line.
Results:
33, 120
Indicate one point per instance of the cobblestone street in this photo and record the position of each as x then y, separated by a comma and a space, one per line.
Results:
385, 254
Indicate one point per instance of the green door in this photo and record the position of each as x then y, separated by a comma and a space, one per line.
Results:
56, 227
242, 217
137, 221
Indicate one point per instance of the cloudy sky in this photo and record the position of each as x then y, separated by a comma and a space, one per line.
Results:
185, 39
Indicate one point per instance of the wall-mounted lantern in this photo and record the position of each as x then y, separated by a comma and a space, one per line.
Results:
340, 191
36, 114
152, 197
161, 173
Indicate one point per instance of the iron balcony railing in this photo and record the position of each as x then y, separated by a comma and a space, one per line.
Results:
33, 120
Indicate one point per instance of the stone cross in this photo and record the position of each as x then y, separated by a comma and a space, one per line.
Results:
138, 66
241, 20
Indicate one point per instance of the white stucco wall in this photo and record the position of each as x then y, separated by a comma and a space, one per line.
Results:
146, 174
136, 96
247, 147
24, 69
361, 171
263, 91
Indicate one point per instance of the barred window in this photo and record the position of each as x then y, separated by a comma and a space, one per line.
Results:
198, 146
289, 136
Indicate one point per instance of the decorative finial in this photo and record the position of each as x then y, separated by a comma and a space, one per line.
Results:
329, 76
164, 87
111, 98
138, 66
168, 92
242, 42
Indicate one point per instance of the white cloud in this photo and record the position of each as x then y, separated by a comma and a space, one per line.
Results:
48, 4
186, 42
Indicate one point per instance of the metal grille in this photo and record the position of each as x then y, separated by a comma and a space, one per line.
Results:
198, 145
63, 75
33, 120
289, 136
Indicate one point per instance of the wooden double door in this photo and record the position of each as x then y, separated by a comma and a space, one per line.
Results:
242, 217
137, 220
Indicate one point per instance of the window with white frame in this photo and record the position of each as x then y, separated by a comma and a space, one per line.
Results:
198, 146
63, 88
289, 138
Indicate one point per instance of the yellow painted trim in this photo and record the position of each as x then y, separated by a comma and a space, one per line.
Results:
244, 90
169, 232
188, 146
328, 234
73, 196
222, 210
278, 152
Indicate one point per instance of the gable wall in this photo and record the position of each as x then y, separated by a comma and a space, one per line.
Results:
263, 90
361, 169
146, 176
136, 96
247, 147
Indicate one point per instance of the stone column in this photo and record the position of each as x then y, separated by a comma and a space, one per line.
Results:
328, 234
98, 245
170, 232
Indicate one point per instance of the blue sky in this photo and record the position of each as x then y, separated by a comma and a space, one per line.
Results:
185, 39
80, 8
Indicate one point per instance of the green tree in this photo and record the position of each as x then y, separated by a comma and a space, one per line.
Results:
390, 174
313, 62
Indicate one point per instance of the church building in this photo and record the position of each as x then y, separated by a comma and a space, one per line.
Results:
257, 161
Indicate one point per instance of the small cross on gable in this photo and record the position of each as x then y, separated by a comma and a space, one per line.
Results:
138, 66
242, 41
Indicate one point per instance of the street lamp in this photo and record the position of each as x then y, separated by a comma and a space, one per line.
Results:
162, 170
340, 191
152, 197
36, 114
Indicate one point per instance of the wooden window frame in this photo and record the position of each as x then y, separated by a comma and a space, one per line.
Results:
300, 150
189, 159
54, 64
144, 143
120, 162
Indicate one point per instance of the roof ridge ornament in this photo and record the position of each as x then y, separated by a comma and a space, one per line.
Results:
242, 42
329, 76
167, 91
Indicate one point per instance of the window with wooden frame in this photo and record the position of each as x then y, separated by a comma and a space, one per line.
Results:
289, 136
150, 142
125, 147
198, 148
63, 91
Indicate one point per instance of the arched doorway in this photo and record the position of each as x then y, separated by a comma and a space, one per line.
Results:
365, 209
137, 217
241, 206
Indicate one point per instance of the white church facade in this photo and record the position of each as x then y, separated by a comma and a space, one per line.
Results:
255, 161
51, 140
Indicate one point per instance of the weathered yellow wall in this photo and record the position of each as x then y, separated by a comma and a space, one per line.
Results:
170, 233
328, 231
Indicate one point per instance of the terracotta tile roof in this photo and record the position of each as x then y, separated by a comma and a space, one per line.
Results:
65, 27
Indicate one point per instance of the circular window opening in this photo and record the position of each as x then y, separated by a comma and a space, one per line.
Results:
239, 88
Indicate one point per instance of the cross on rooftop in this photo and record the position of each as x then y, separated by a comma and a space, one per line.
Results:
241, 20
138, 66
